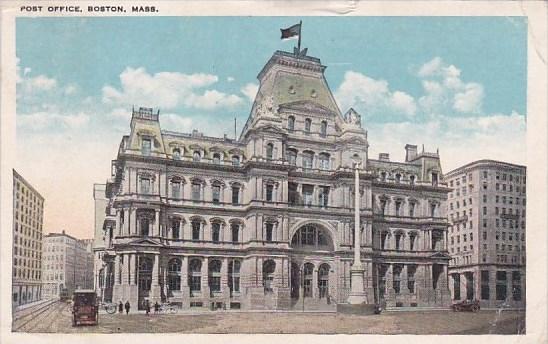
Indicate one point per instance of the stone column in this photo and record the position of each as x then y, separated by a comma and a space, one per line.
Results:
125, 269
181, 229
315, 291
157, 222
205, 278
132, 224
155, 286
126, 228
118, 224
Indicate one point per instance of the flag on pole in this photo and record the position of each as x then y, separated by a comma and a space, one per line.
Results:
291, 32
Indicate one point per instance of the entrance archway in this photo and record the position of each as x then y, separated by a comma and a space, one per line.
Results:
144, 279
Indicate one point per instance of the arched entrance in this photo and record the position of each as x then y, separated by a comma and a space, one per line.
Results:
269, 267
144, 279
323, 281
312, 246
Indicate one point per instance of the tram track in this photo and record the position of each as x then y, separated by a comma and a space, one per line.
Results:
31, 321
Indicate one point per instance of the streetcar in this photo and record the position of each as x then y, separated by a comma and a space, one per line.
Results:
64, 295
85, 310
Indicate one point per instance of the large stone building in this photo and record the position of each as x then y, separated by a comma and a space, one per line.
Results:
267, 220
487, 234
28, 217
67, 264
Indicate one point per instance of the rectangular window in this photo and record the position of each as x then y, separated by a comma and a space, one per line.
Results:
196, 230
235, 229
516, 285
146, 146
269, 230
308, 191
501, 285
176, 189
269, 193
485, 284
235, 195
324, 196
145, 185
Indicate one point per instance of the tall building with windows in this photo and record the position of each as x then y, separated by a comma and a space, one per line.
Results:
67, 264
266, 220
28, 217
486, 210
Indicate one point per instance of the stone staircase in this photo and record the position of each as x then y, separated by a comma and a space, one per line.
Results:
312, 304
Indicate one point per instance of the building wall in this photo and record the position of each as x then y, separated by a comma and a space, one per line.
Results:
488, 232
28, 217
68, 263
172, 209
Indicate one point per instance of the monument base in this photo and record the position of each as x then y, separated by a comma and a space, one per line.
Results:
359, 309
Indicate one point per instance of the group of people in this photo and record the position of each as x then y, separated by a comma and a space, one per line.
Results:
146, 305
121, 307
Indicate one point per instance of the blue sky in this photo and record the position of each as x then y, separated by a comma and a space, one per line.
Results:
451, 83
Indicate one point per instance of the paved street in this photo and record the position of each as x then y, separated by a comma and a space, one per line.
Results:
57, 318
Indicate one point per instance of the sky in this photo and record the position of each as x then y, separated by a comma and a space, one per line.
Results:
457, 84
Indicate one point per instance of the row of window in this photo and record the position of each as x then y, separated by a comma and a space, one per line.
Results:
307, 126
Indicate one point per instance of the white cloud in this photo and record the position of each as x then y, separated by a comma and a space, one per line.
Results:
250, 91
370, 96
174, 122
70, 89
445, 92
460, 139
167, 90
230, 79
38, 121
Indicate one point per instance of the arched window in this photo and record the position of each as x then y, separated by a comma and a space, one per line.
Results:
175, 224
196, 156
291, 123
234, 276
323, 129
308, 158
196, 189
269, 266
196, 228
307, 125
145, 273
308, 272
398, 178
195, 276
235, 194
235, 231
214, 277
176, 153
269, 151
412, 180
176, 188
323, 280
310, 236
235, 160
215, 232
383, 176
292, 157
174, 274
324, 161
216, 158
216, 192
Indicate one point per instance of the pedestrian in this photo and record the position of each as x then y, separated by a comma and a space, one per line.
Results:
120, 307
127, 306
147, 307
156, 307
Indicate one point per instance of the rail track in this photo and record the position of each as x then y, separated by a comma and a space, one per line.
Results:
30, 320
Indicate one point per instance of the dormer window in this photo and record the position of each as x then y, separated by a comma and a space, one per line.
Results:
216, 158
196, 156
146, 146
176, 154
307, 125
434, 179
291, 123
323, 129
235, 160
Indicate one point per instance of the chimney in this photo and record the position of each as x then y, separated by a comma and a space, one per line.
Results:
410, 152
384, 157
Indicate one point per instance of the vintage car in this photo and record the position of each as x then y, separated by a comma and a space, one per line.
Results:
466, 305
85, 310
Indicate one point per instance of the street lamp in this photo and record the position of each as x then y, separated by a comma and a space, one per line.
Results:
357, 293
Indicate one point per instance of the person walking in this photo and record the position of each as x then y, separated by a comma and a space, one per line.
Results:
120, 307
127, 306
147, 307
156, 307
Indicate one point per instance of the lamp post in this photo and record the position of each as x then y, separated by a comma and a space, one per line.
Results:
357, 292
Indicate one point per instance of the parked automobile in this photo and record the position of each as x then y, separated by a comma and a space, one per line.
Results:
466, 305
85, 310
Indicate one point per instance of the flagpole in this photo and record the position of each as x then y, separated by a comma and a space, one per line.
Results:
300, 30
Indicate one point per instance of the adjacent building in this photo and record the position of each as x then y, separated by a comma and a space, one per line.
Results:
67, 264
486, 210
266, 221
28, 218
